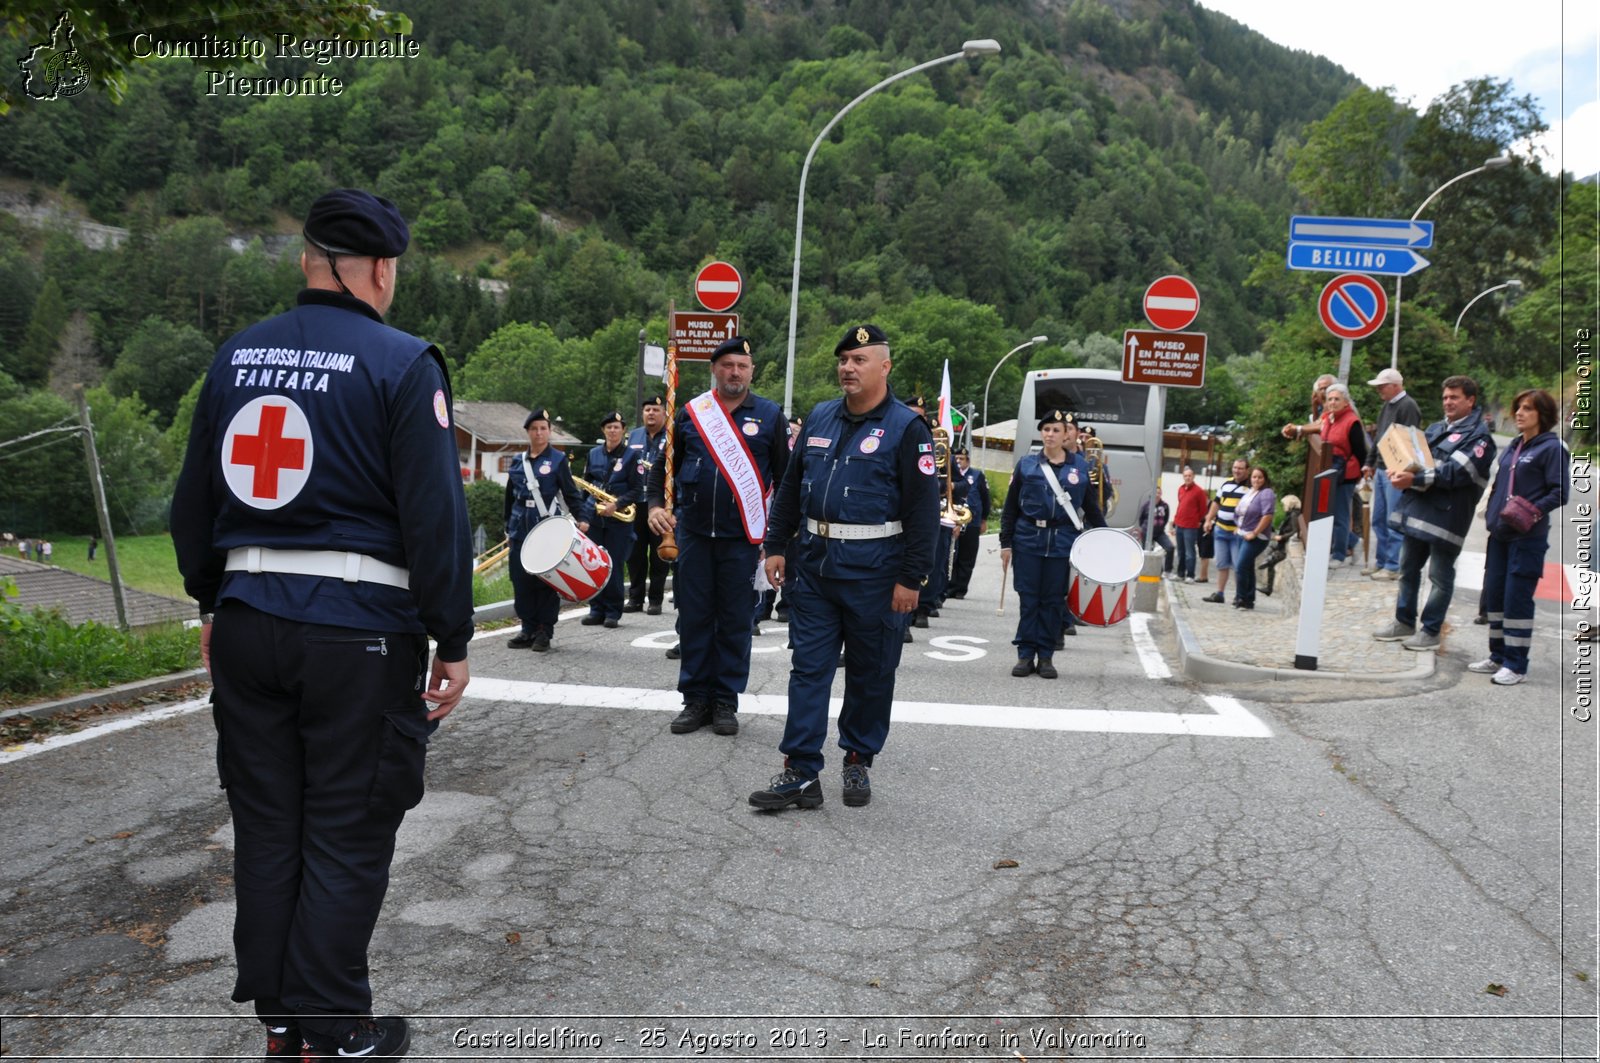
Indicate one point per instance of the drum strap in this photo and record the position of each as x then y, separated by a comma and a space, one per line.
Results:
536, 496
1061, 495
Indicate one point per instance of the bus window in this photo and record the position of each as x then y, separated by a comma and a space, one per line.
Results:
1124, 417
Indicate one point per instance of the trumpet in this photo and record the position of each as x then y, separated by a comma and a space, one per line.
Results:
1095, 452
949, 512
624, 514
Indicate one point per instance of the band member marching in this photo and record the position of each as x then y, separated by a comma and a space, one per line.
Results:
728, 447
1048, 504
612, 469
540, 486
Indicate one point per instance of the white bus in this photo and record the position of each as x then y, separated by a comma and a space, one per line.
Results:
1126, 418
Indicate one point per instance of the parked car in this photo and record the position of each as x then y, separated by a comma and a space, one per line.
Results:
1179, 427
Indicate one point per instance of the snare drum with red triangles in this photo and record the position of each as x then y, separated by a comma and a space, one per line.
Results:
574, 565
1105, 564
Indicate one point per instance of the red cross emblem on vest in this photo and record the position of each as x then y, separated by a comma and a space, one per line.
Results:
267, 452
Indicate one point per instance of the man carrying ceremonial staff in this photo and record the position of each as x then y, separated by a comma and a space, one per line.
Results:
728, 447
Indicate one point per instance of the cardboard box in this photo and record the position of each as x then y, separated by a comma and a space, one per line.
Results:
1405, 448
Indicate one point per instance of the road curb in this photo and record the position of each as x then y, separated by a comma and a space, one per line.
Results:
1200, 666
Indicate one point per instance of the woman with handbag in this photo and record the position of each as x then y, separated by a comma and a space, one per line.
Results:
1533, 480
1255, 528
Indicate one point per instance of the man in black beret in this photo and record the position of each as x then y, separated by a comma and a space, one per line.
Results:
728, 448
647, 573
319, 512
612, 469
851, 553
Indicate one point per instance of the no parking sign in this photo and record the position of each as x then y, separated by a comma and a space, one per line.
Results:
1353, 306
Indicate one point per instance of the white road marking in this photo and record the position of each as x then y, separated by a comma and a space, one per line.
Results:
167, 712
1229, 718
1145, 646
956, 648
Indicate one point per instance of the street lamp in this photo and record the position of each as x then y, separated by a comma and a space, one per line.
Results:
1508, 284
983, 451
969, 50
1488, 164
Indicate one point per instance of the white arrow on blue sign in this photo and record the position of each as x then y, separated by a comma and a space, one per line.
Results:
1348, 258
1373, 232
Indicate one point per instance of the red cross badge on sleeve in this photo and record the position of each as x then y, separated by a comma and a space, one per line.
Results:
267, 452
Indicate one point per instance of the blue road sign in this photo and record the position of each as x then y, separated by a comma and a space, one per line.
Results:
1372, 232
1342, 258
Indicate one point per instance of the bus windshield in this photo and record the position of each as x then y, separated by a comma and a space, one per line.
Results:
1096, 402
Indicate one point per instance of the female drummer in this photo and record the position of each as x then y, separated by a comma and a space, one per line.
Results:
540, 486
1048, 503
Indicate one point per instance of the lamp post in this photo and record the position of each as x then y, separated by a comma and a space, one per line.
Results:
983, 451
969, 50
1488, 164
1513, 283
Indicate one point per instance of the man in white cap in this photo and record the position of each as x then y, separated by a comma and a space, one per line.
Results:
1398, 408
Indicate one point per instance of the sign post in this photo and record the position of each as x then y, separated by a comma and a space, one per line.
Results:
1169, 358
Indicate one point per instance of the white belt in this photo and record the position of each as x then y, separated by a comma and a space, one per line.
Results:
332, 564
829, 530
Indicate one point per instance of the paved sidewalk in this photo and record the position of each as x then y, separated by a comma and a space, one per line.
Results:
1219, 642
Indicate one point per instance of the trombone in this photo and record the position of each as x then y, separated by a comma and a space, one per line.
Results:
605, 497
949, 512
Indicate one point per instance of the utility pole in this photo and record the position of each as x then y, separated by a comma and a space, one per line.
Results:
93, 459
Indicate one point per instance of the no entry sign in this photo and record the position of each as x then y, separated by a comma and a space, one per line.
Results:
1353, 306
1171, 303
718, 286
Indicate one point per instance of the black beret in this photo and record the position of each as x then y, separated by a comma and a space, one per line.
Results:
958, 449
348, 221
655, 400
539, 414
737, 345
860, 336
615, 416
1057, 417
917, 401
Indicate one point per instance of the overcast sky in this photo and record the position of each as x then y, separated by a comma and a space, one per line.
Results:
1549, 49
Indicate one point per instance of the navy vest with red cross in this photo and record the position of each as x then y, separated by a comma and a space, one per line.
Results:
616, 472
325, 429
850, 474
706, 504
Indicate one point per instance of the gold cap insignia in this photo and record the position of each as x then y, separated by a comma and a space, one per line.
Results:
861, 335
746, 346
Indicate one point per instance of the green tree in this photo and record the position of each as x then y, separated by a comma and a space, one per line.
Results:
30, 363
159, 364
1350, 163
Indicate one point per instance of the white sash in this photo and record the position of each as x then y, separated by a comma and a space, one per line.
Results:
1061, 496
535, 496
738, 467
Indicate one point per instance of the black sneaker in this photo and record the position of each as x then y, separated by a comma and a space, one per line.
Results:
1023, 667
1214, 598
933, 612
653, 609
905, 636
675, 653
283, 1042
541, 642
612, 621
633, 607
521, 641
387, 1038
1046, 669
781, 615
592, 620
724, 718
695, 715
857, 786
921, 619
789, 788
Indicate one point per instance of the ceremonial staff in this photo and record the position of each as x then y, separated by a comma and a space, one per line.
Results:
668, 550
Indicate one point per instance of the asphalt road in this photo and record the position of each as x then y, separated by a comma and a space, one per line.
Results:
1321, 869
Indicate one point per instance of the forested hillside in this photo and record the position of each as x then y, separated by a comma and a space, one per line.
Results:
591, 155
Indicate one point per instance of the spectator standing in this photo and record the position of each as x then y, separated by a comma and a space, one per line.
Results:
1255, 534
1186, 522
1436, 508
1221, 521
1340, 428
1537, 470
1398, 408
